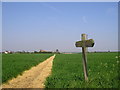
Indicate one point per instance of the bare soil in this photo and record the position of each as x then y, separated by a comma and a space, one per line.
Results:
33, 78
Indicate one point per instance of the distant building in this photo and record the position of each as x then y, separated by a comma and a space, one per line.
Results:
43, 51
8, 52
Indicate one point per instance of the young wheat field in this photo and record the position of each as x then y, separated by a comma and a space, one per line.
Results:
67, 71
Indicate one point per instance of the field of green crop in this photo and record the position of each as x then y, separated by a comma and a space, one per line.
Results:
67, 71
15, 64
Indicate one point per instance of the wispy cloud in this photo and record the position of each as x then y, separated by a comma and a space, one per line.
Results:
111, 10
52, 8
84, 19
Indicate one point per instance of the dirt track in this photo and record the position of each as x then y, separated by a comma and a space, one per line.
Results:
33, 78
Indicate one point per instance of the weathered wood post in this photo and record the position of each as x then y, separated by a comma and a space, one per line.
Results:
84, 44
84, 57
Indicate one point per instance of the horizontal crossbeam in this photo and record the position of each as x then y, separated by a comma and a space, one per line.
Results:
85, 43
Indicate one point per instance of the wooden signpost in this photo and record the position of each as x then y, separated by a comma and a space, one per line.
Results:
84, 44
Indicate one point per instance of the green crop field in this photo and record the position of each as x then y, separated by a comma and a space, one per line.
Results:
67, 71
15, 64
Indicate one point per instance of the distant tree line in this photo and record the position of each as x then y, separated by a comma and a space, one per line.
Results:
34, 52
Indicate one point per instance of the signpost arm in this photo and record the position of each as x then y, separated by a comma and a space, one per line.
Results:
84, 57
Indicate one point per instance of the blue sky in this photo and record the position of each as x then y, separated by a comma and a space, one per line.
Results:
50, 26
0, 41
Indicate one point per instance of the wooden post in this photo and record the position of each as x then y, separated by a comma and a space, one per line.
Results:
84, 44
84, 57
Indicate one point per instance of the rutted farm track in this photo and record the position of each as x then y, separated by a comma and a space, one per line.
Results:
33, 78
